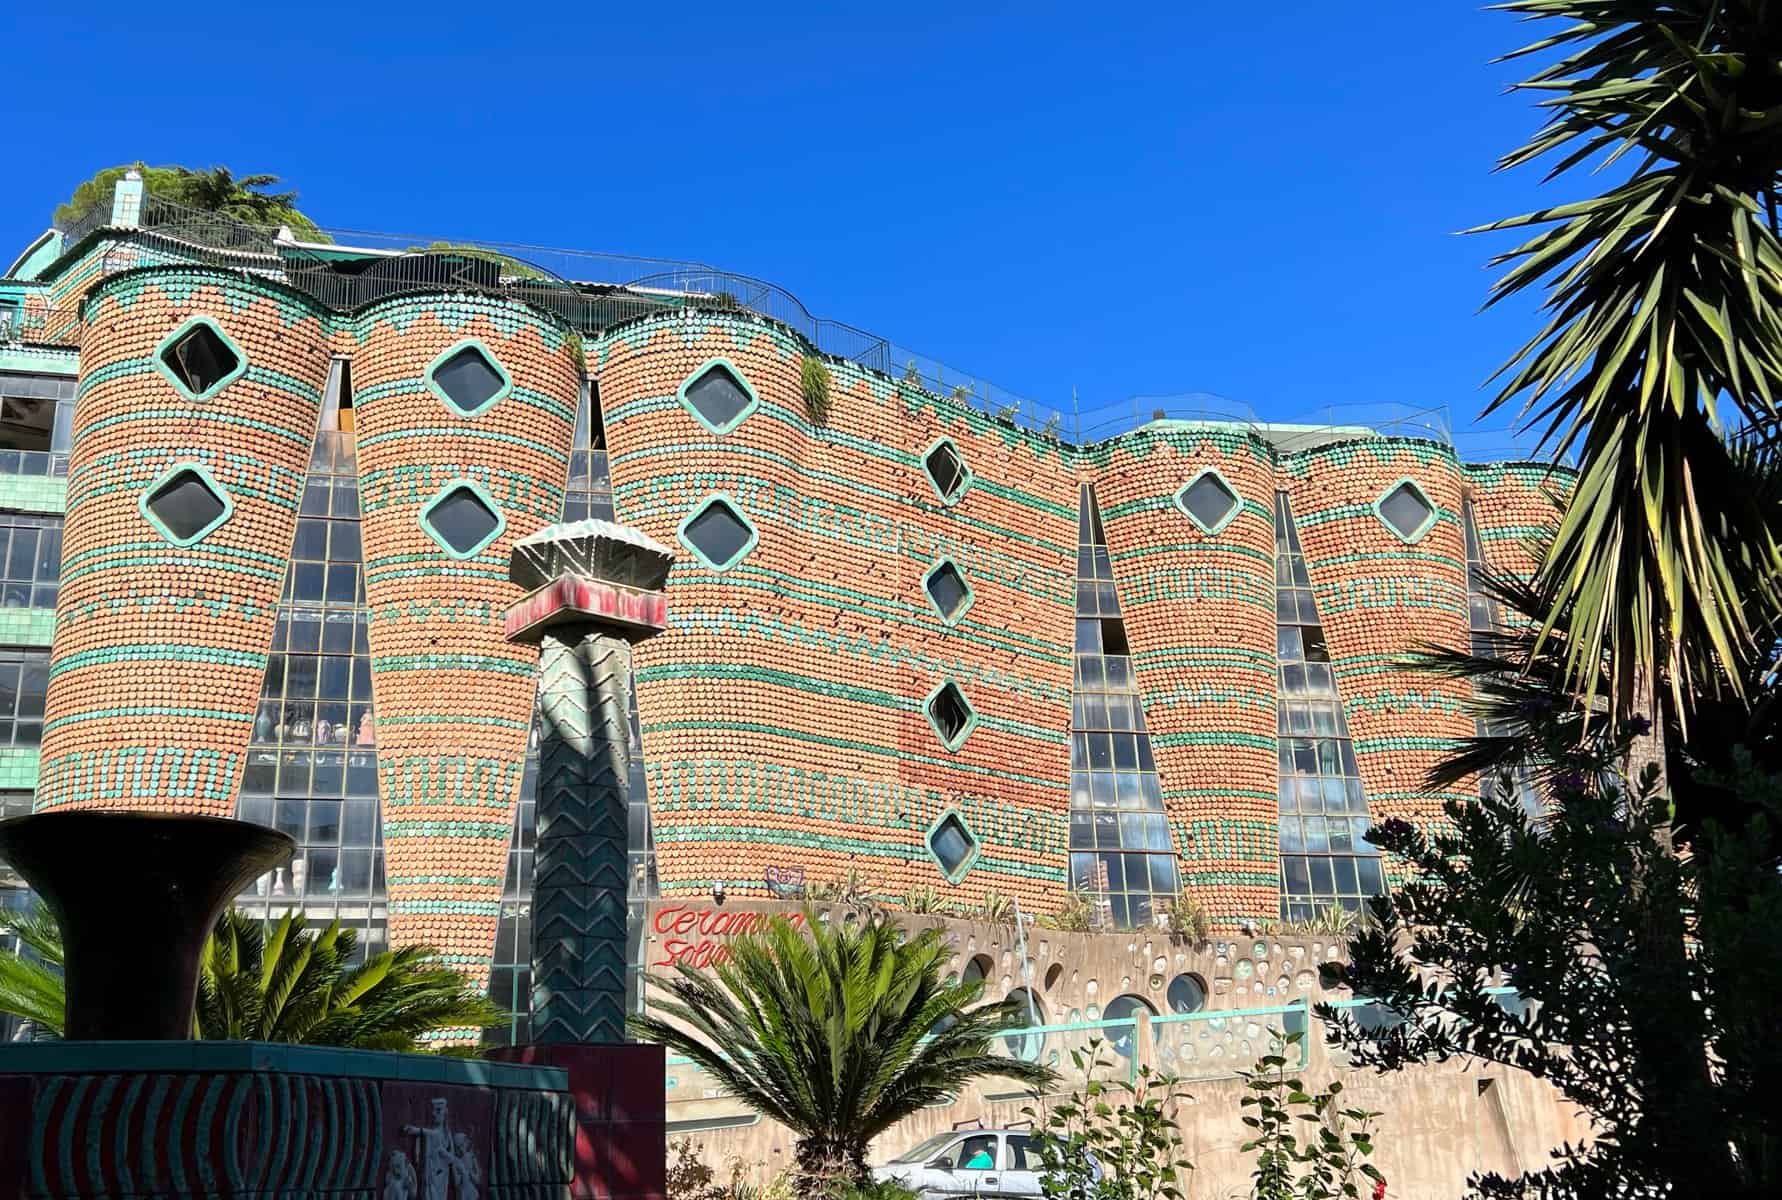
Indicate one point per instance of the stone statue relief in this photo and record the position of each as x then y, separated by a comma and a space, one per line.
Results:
445, 1158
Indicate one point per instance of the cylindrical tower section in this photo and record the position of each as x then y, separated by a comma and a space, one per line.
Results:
1516, 507
464, 410
199, 395
869, 665
1190, 530
1379, 521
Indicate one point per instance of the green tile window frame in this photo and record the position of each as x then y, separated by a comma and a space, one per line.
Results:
940, 564
445, 493
718, 429
965, 472
1237, 502
168, 476
971, 716
179, 385
1428, 522
971, 858
446, 355
729, 501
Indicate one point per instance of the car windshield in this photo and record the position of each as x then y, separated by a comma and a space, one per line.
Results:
925, 1150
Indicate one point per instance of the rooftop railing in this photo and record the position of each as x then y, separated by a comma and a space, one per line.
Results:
595, 291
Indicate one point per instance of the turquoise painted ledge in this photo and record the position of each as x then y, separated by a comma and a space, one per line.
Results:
34, 494
27, 626
18, 768
67, 1058
40, 360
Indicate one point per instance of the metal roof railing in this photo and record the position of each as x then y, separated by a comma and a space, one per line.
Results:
595, 291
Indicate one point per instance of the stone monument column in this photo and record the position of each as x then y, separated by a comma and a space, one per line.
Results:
595, 590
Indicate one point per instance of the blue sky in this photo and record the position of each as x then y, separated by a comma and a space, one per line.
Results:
1258, 201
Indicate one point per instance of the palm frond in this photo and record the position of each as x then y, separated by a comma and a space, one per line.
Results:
1665, 300
31, 983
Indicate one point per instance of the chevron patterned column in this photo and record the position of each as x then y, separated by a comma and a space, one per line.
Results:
596, 590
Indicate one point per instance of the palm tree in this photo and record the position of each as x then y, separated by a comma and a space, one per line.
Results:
289, 984
836, 1033
1664, 337
212, 189
1533, 719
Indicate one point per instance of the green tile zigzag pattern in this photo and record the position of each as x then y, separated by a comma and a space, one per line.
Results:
579, 893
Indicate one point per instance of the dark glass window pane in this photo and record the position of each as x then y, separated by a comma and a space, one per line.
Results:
1209, 500
947, 470
719, 533
718, 396
185, 504
951, 712
947, 587
462, 520
312, 540
1405, 510
468, 379
200, 359
952, 843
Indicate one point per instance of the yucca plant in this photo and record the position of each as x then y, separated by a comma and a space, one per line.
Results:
925, 901
286, 984
837, 1032
996, 908
1664, 296
1075, 915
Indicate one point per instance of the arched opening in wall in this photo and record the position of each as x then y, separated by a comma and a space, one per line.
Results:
977, 969
1027, 1046
1054, 973
1187, 993
1124, 1038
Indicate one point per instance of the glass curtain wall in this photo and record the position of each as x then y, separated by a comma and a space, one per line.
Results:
312, 757
1324, 860
1120, 850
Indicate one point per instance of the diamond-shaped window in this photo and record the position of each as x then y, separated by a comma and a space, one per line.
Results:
951, 714
718, 396
468, 378
947, 589
199, 359
1406, 510
953, 845
463, 519
718, 533
946, 471
1209, 501
185, 504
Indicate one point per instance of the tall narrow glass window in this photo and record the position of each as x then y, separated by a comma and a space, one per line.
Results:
590, 495
1325, 861
312, 756
1484, 624
1120, 848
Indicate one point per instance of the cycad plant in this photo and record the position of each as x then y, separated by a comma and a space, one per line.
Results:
286, 984
836, 1032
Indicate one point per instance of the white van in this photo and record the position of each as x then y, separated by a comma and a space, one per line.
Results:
970, 1162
